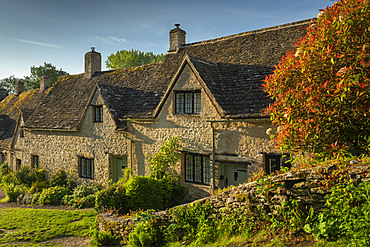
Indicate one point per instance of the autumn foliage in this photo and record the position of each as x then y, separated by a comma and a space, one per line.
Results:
321, 90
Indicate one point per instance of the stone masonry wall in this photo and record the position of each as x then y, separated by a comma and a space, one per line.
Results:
245, 140
62, 149
304, 186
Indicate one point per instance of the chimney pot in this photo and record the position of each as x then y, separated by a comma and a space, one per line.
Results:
92, 63
3, 94
19, 87
44, 82
177, 38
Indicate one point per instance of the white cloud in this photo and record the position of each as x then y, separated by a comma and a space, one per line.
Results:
110, 39
39, 43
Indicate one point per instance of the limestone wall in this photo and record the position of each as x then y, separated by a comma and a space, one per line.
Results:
62, 149
242, 140
304, 186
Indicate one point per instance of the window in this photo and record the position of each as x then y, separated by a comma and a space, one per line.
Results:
188, 102
197, 169
86, 168
273, 163
98, 114
35, 161
21, 134
18, 164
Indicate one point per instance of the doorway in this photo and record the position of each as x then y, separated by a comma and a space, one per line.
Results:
119, 163
234, 174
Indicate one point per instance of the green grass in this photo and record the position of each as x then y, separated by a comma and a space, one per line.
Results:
267, 239
37, 225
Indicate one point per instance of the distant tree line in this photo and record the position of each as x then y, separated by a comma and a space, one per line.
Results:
33, 80
121, 59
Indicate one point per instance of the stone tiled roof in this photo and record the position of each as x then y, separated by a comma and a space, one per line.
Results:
242, 60
10, 110
64, 106
235, 87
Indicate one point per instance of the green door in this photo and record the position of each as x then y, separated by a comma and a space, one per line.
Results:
235, 175
119, 163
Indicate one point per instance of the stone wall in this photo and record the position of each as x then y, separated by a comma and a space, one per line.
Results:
243, 141
307, 187
62, 149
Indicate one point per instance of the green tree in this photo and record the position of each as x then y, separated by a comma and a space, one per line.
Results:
9, 84
33, 81
321, 90
126, 59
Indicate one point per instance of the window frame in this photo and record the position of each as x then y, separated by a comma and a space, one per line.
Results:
281, 162
98, 118
182, 104
82, 161
35, 161
191, 163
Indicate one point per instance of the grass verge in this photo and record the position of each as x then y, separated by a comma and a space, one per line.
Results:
36, 225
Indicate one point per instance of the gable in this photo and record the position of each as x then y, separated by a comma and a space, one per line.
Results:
188, 81
91, 123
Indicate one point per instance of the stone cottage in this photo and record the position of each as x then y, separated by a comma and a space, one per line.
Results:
208, 93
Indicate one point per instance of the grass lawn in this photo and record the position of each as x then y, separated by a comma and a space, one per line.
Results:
37, 225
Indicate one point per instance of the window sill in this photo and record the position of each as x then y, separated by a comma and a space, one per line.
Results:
197, 183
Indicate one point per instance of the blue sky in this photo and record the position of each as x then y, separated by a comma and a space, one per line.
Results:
60, 32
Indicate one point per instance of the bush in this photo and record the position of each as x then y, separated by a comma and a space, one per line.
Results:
62, 179
146, 233
321, 90
53, 195
347, 215
12, 191
144, 193
173, 191
27, 175
83, 196
4, 169
38, 186
112, 198
104, 239
160, 163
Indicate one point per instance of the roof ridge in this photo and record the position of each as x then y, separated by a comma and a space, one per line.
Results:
191, 57
262, 30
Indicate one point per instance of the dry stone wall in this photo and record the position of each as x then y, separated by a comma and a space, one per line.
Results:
307, 187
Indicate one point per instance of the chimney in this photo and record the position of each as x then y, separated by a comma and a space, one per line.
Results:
44, 82
92, 63
177, 38
19, 87
3, 94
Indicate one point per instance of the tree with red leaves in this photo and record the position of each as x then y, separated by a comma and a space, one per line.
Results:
322, 89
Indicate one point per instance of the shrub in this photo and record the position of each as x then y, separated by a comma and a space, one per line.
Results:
347, 215
62, 179
172, 190
144, 193
12, 191
27, 175
112, 198
4, 169
83, 196
104, 239
160, 163
38, 186
53, 195
146, 233
321, 90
